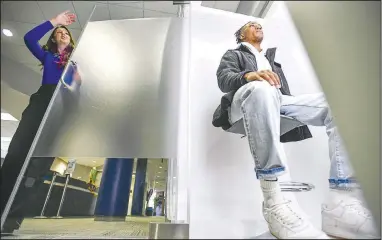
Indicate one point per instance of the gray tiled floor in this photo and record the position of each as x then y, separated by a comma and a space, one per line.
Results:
84, 228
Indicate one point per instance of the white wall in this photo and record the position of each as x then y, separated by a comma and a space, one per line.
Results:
225, 198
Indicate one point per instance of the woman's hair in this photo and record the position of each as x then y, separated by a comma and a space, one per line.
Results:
51, 46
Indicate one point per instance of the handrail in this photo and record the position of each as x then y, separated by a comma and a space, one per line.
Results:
71, 62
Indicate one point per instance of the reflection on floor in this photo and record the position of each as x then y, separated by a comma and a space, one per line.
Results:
84, 228
265, 235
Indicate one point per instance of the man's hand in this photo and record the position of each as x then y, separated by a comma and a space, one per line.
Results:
265, 75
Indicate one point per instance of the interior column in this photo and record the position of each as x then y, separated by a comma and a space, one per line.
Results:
114, 191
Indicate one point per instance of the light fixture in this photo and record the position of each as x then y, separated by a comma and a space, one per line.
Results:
160, 167
94, 161
79, 177
174, 177
7, 32
7, 117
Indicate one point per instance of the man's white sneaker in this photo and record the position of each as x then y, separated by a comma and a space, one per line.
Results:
345, 216
285, 222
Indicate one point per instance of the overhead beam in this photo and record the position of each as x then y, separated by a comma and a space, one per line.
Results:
229, 6
254, 8
180, 2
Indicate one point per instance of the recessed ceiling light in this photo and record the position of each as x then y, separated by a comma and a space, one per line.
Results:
7, 32
173, 177
160, 167
79, 177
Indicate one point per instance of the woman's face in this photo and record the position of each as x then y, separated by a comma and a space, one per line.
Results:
62, 37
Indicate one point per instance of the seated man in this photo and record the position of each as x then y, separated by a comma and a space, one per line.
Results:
257, 94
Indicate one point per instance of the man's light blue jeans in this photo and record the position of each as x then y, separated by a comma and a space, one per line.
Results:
260, 105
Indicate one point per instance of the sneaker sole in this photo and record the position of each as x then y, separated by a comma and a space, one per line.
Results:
337, 233
334, 237
322, 236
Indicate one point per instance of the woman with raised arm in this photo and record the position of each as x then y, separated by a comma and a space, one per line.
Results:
54, 56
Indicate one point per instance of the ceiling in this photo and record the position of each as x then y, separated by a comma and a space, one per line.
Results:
21, 16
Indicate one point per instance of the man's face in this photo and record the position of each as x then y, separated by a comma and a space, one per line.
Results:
253, 32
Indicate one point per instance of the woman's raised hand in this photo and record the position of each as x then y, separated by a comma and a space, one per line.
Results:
66, 18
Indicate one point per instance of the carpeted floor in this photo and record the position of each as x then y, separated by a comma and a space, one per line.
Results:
84, 228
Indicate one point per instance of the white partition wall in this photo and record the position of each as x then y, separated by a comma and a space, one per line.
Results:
132, 102
225, 197
128, 103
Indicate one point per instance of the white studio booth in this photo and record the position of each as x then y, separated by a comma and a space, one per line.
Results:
149, 91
